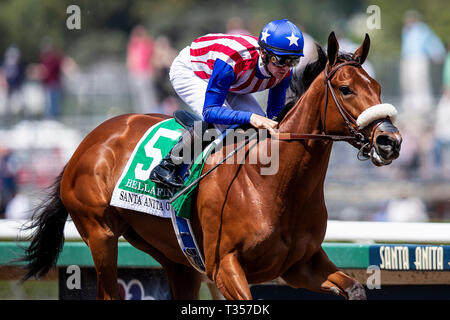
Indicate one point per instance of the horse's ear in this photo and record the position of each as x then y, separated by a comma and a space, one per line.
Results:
332, 49
360, 55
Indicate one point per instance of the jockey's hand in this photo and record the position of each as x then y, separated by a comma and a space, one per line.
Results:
261, 122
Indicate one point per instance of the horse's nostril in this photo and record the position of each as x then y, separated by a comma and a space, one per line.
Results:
384, 140
389, 141
388, 146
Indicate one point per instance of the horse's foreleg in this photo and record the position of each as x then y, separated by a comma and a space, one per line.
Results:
321, 275
213, 290
353, 289
231, 280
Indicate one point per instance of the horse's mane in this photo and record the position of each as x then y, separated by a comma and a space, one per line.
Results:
302, 78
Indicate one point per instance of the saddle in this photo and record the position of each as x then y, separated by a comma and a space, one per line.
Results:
187, 119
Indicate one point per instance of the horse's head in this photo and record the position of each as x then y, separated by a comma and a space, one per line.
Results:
353, 105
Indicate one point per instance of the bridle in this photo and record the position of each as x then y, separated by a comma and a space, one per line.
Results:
356, 138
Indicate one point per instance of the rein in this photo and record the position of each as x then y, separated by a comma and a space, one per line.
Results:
356, 138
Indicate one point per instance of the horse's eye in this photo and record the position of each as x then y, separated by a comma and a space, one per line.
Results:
345, 90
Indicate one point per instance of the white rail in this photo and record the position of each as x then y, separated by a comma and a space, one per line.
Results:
14, 230
337, 231
406, 232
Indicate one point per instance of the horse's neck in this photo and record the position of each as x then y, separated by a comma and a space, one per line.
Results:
306, 156
304, 117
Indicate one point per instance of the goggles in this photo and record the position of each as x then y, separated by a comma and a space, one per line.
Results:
281, 61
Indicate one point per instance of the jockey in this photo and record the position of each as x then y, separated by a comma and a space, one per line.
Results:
217, 73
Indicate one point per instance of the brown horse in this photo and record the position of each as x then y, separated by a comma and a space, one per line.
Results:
252, 228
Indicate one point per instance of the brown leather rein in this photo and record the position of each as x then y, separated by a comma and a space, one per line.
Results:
348, 118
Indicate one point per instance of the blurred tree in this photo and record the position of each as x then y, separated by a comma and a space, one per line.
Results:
105, 25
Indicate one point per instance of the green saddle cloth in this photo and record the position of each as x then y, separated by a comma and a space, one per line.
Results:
135, 191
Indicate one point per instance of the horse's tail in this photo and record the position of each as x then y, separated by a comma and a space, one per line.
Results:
47, 239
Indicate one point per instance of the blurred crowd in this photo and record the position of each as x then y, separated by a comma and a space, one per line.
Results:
24, 84
424, 117
423, 120
148, 63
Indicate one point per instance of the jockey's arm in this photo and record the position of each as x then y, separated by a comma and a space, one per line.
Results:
218, 86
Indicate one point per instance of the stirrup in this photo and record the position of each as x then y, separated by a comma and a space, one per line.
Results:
170, 181
169, 178
166, 172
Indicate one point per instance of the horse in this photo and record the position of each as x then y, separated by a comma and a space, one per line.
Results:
252, 228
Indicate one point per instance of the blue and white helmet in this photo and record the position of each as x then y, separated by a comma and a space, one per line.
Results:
281, 38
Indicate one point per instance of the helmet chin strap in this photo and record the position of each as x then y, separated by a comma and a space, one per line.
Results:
265, 61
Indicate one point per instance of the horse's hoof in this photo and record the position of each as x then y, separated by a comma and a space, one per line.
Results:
356, 292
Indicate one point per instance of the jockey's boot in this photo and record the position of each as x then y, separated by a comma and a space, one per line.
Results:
166, 172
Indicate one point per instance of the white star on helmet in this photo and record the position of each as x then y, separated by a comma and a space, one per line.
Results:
292, 39
264, 35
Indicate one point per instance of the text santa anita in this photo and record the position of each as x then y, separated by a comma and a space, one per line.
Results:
425, 258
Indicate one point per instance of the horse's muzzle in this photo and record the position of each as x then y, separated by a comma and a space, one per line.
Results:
387, 142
